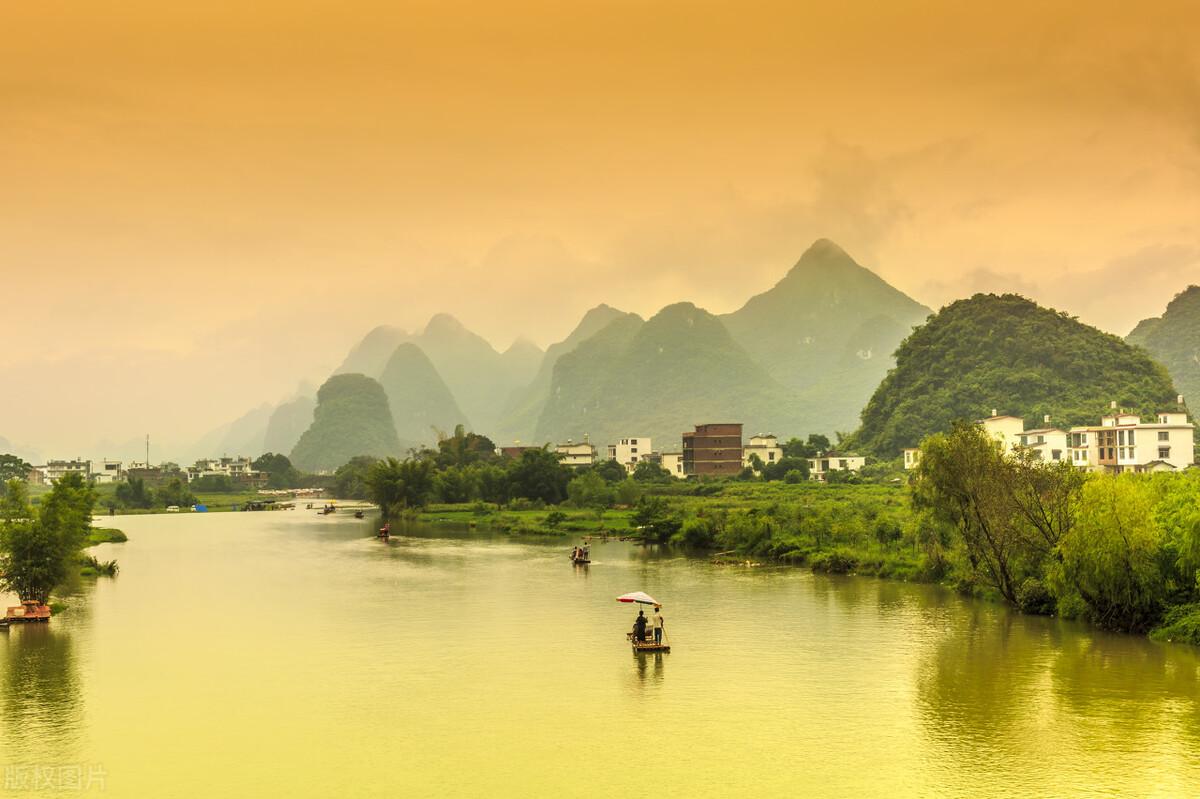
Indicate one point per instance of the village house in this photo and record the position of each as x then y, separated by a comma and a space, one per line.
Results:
820, 466
53, 470
766, 447
1122, 442
912, 457
240, 470
713, 450
106, 471
673, 463
630, 451
577, 456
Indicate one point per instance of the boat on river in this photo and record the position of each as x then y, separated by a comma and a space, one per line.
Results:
646, 642
28, 611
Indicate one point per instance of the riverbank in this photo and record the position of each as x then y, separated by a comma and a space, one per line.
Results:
865, 530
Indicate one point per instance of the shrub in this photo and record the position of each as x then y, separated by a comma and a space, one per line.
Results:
554, 518
1034, 598
1181, 625
839, 561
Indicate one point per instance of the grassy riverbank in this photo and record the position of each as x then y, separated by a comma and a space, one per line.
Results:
552, 521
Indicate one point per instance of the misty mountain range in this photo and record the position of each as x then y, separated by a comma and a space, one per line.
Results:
803, 357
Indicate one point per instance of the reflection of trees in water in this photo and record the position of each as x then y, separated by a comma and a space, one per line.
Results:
1129, 688
980, 686
43, 704
1000, 693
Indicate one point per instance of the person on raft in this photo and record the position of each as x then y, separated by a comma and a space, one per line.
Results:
639, 627
658, 624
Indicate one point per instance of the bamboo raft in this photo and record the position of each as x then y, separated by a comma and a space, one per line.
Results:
647, 646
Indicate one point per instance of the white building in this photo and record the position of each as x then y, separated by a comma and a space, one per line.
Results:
820, 466
1122, 442
766, 447
630, 451
53, 470
1045, 443
106, 471
673, 463
912, 457
1005, 429
576, 455
237, 469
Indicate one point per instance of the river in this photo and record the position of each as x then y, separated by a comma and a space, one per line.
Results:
286, 654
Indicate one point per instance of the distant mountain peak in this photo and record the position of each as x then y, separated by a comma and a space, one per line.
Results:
444, 324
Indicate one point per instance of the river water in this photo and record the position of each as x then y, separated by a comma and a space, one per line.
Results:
286, 654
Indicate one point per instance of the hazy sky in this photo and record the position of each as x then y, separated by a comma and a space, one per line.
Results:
202, 204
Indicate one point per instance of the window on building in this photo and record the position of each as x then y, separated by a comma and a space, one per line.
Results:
633, 441
1129, 438
1164, 452
1056, 454
770, 456
633, 449
1164, 435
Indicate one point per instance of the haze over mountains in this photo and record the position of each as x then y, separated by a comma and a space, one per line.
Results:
804, 356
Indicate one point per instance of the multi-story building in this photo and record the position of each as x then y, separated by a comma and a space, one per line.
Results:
1045, 443
713, 450
239, 470
53, 470
1122, 442
630, 451
106, 471
1005, 429
766, 447
673, 463
576, 455
820, 466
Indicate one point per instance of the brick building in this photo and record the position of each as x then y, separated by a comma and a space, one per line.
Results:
713, 450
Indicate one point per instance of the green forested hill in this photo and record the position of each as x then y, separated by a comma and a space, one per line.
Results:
1174, 341
520, 417
351, 418
658, 378
419, 400
827, 330
1008, 353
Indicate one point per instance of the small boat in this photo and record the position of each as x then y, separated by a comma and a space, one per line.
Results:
358, 514
27, 611
579, 560
385, 532
647, 646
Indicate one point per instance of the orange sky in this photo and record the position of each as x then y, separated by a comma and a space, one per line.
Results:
200, 206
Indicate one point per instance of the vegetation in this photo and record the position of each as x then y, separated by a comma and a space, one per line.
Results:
12, 468
1120, 551
1174, 340
1008, 353
40, 547
352, 418
827, 331
647, 376
279, 469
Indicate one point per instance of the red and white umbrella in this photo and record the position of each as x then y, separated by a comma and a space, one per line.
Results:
640, 597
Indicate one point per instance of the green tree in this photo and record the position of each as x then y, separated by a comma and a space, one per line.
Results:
539, 474
396, 485
464, 449
350, 479
589, 490
781, 467
629, 491
174, 492
611, 471
655, 520
13, 468
214, 484
134, 494
279, 469
38, 550
1111, 555
648, 472
456, 484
